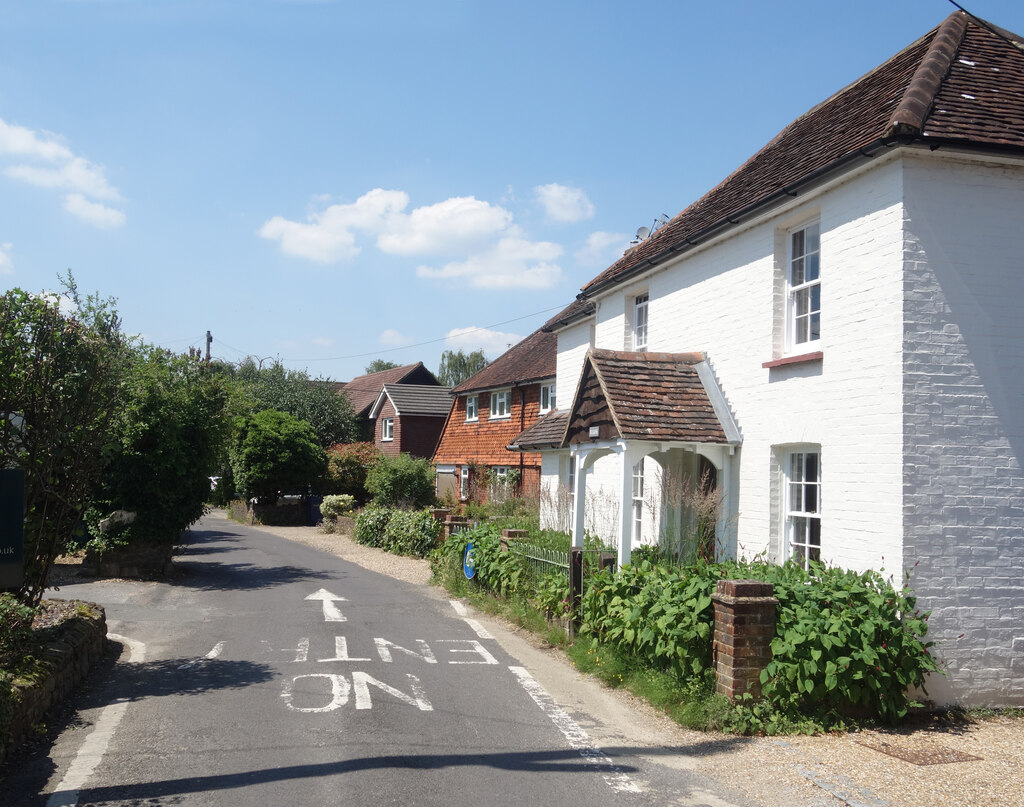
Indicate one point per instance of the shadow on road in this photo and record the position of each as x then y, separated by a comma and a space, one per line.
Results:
561, 761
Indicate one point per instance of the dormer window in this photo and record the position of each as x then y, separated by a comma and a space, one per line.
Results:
640, 321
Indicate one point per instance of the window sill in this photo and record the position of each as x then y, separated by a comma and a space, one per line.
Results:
472, 420
500, 417
803, 358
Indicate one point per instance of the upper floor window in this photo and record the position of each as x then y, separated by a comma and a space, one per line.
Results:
471, 407
547, 398
387, 429
640, 321
500, 405
803, 286
802, 471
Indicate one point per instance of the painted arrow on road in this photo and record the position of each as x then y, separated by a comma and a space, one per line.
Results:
331, 612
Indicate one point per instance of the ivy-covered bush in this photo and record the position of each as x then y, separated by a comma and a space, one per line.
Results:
403, 532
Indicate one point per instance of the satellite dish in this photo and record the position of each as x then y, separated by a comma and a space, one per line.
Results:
642, 233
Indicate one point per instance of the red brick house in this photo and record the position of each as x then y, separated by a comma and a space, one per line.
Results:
490, 409
363, 390
408, 418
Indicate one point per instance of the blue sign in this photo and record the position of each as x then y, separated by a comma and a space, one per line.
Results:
468, 564
12, 527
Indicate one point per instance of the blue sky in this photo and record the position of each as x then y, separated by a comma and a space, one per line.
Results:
331, 182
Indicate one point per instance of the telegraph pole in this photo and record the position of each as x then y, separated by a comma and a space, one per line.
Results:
209, 341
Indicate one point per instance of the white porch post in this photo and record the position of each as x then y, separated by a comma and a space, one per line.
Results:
629, 456
579, 496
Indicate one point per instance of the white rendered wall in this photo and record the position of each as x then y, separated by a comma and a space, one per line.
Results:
964, 417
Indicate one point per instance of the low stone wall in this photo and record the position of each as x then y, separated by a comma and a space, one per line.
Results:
134, 560
64, 662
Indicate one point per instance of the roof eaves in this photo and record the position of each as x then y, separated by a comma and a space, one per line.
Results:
718, 402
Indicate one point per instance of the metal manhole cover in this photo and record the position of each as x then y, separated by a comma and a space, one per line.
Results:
937, 755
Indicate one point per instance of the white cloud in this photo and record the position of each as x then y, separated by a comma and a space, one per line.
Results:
94, 213
512, 263
6, 264
565, 204
392, 337
493, 343
602, 248
63, 170
26, 143
444, 228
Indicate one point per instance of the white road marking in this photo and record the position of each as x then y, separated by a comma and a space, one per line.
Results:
616, 778
95, 745
361, 684
340, 651
384, 648
474, 647
476, 627
302, 651
340, 688
217, 650
331, 612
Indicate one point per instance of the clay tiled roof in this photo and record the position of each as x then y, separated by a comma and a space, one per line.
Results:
530, 361
645, 396
415, 399
363, 390
548, 432
577, 310
959, 86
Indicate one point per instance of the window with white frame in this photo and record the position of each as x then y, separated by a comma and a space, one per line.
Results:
464, 482
803, 286
547, 398
500, 405
802, 471
640, 321
471, 408
500, 482
387, 429
638, 501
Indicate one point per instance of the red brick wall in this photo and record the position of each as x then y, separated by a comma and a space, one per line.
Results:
485, 441
413, 434
391, 448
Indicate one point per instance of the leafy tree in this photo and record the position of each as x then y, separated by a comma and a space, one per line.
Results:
347, 467
402, 481
172, 431
457, 366
315, 401
377, 365
273, 451
60, 391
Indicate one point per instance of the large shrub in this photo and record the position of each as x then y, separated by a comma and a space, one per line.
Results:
171, 434
274, 452
347, 467
401, 481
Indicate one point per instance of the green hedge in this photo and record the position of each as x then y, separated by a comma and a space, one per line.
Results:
403, 532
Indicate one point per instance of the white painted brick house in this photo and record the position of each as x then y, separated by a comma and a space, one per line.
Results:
847, 304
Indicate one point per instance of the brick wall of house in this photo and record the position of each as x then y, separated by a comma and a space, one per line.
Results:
419, 434
390, 448
964, 422
485, 441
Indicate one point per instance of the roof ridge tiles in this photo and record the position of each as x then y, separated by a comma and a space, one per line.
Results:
912, 111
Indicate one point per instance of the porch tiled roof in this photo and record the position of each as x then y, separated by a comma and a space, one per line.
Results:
960, 86
548, 432
645, 396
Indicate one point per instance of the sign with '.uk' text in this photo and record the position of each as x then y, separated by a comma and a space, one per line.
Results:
12, 527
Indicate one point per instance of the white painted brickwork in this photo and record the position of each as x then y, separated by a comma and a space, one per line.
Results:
964, 420
917, 405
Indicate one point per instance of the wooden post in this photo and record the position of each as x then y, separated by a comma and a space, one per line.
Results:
575, 589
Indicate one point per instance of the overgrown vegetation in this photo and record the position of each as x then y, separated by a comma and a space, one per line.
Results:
403, 532
402, 481
849, 646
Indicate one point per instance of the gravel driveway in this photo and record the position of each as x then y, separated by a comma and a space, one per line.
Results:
975, 763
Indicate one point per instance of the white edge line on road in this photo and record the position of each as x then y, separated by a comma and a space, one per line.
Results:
462, 611
95, 745
616, 778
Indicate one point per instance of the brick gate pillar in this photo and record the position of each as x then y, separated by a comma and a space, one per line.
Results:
744, 629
